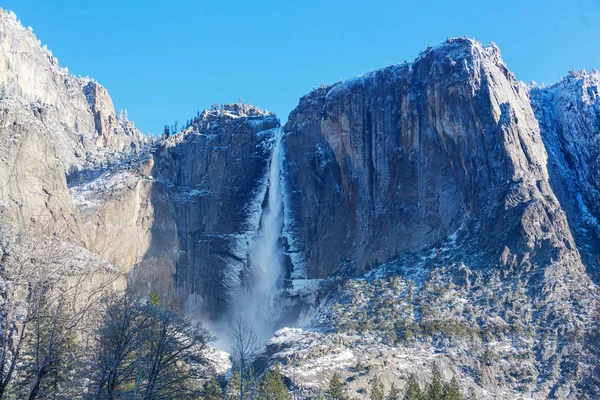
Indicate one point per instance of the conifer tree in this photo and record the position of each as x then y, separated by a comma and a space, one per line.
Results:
336, 391
394, 393
413, 390
232, 391
452, 391
272, 386
154, 298
435, 389
212, 390
377, 392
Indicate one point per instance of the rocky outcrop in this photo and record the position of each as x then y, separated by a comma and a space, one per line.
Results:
209, 187
446, 159
50, 127
114, 131
180, 219
406, 155
569, 117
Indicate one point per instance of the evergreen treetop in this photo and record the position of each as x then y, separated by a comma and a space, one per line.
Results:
272, 386
336, 391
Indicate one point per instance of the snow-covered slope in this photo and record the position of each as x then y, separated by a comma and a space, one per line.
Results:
569, 117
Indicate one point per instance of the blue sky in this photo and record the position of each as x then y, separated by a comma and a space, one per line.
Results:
163, 61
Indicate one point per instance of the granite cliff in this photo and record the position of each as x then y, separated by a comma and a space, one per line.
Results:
409, 154
438, 210
462, 205
51, 125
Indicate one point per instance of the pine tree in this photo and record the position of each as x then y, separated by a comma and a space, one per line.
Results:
394, 393
377, 392
435, 389
272, 386
232, 391
212, 390
452, 391
413, 391
336, 389
154, 298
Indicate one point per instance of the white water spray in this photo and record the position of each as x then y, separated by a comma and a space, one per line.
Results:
262, 307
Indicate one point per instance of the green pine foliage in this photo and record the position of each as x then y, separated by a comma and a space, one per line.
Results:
154, 298
232, 391
336, 391
212, 390
413, 390
394, 393
435, 389
377, 392
272, 386
452, 391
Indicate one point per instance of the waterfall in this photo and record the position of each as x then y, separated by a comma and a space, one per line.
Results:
262, 303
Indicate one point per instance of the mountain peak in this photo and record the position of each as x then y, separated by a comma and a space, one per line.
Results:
235, 110
455, 51
461, 44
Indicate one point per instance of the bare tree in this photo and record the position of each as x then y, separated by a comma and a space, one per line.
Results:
173, 343
243, 346
145, 351
122, 321
17, 293
46, 293
29, 265
51, 342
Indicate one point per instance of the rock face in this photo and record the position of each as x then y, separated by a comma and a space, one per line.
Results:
180, 219
51, 124
114, 131
407, 154
208, 192
481, 185
569, 116
177, 217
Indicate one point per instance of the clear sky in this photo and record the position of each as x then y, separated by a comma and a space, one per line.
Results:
164, 60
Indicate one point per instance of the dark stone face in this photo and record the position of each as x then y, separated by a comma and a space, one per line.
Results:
386, 162
204, 181
402, 157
